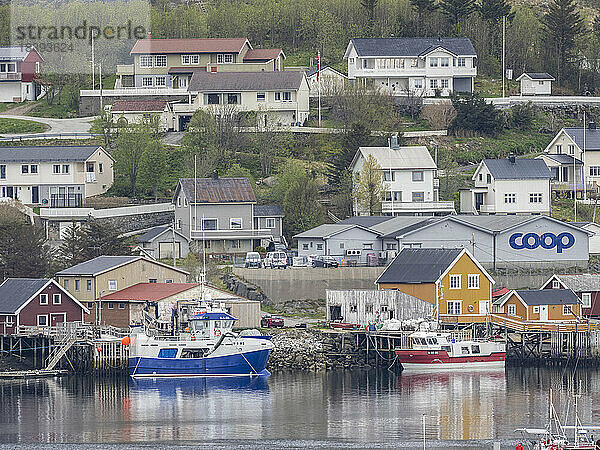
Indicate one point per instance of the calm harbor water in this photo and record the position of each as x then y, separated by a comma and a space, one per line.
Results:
343, 409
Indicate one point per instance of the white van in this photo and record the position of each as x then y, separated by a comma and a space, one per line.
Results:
275, 260
252, 260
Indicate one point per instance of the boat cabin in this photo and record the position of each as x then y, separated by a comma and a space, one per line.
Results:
211, 325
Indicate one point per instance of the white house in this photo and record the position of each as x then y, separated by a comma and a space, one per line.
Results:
135, 111
423, 66
592, 227
410, 177
508, 186
18, 68
331, 81
535, 83
580, 143
55, 176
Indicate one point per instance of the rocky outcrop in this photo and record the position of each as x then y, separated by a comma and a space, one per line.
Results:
315, 350
245, 289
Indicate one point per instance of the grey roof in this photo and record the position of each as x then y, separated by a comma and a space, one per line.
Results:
325, 230
492, 223
97, 265
549, 297
521, 169
402, 158
411, 46
15, 292
366, 221
54, 153
581, 282
538, 75
419, 265
14, 52
399, 225
245, 81
592, 137
563, 159
267, 210
218, 190
151, 234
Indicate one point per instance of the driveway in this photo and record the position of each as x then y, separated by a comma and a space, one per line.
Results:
57, 127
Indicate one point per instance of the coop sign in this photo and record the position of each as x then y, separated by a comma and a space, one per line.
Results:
548, 241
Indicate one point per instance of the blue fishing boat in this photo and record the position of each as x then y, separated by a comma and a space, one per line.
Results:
208, 348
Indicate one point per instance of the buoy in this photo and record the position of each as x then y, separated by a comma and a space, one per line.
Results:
187, 329
126, 341
99, 349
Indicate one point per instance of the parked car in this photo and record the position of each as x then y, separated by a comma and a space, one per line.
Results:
252, 260
276, 246
271, 322
300, 261
325, 261
276, 260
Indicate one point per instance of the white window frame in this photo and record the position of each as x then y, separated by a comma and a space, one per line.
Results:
535, 197
452, 281
594, 171
567, 310
231, 225
146, 61
228, 58
462, 62
145, 81
512, 310
510, 198
444, 61
444, 84
287, 94
536, 309
277, 96
55, 297
473, 281
160, 81
220, 58
112, 283
555, 284
261, 96
418, 83
270, 222
416, 178
456, 307
158, 60
586, 299
433, 62
45, 297
45, 316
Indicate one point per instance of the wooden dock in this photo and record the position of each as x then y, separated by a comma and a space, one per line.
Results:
29, 374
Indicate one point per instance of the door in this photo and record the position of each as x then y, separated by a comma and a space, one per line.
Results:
56, 318
35, 194
478, 200
544, 313
484, 307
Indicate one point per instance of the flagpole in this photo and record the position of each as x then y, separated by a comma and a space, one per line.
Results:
319, 82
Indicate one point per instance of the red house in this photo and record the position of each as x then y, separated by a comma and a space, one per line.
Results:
36, 302
19, 66
585, 285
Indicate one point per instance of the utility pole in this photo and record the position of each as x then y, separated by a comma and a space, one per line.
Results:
93, 65
503, 54
583, 172
100, 75
319, 82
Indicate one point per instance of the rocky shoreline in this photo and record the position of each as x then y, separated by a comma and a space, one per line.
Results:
315, 350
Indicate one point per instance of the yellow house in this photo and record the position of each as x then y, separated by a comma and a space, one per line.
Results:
451, 279
544, 305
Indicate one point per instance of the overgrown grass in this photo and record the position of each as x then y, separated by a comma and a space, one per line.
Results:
492, 87
17, 126
55, 111
563, 209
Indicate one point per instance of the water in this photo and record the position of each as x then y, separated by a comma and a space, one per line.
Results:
343, 409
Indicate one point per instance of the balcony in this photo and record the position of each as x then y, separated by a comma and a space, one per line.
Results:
566, 186
231, 234
10, 76
487, 209
417, 207
66, 200
429, 72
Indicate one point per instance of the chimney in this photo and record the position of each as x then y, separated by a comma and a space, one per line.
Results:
215, 174
592, 125
393, 142
149, 35
512, 158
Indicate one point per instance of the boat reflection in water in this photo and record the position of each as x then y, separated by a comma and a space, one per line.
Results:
172, 386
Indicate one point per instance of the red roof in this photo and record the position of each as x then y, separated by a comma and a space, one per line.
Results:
149, 291
500, 292
139, 105
262, 54
230, 45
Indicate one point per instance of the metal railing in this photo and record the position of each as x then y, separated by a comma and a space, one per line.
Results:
25, 137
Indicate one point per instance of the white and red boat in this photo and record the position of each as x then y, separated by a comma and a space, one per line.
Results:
431, 350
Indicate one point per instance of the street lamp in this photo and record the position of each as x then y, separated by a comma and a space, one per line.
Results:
99, 308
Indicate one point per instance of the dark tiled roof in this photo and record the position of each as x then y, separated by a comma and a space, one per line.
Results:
15, 292
563, 159
139, 105
151, 234
267, 210
592, 137
581, 282
549, 297
52, 153
262, 54
245, 81
411, 46
419, 265
218, 190
232, 45
97, 265
539, 75
503, 169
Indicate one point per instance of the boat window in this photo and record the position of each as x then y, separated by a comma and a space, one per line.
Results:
475, 349
167, 353
465, 350
430, 341
217, 324
434, 341
423, 341
446, 348
192, 353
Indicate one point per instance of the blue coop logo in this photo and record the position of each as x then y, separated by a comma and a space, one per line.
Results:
548, 241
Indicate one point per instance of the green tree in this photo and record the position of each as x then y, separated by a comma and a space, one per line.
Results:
492, 11
23, 250
473, 113
369, 6
71, 250
98, 238
369, 187
424, 8
562, 24
104, 125
457, 11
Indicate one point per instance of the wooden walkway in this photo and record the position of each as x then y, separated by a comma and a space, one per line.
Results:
27, 374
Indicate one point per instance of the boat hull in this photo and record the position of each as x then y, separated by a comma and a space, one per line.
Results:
424, 360
251, 363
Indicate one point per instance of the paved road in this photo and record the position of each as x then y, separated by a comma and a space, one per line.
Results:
57, 126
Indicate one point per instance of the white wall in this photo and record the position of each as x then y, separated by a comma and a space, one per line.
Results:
535, 87
9, 91
522, 189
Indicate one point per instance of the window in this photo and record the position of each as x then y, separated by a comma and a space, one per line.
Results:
304, 246
389, 175
235, 243
209, 224
121, 305
65, 168
235, 223
454, 281
185, 203
535, 198
390, 246
418, 83
90, 305
270, 222
89, 285
261, 97
367, 246
66, 284
206, 244
433, 84
351, 60
220, 59
489, 178
444, 62
160, 81
397, 196
473, 281
586, 299
56, 168
190, 59
233, 99
43, 299
168, 280
536, 309
287, 96
555, 284
56, 299
595, 171
444, 83
111, 305
417, 175
277, 96
112, 285
571, 149
212, 99
388, 196
462, 62
559, 149
33, 168
42, 321
342, 245
418, 197
76, 285
179, 224
160, 61
152, 280
3, 172
319, 246
228, 58
480, 177
567, 310
453, 307
24, 168
433, 62
147, 81
146, 61
512, 310
510, 198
